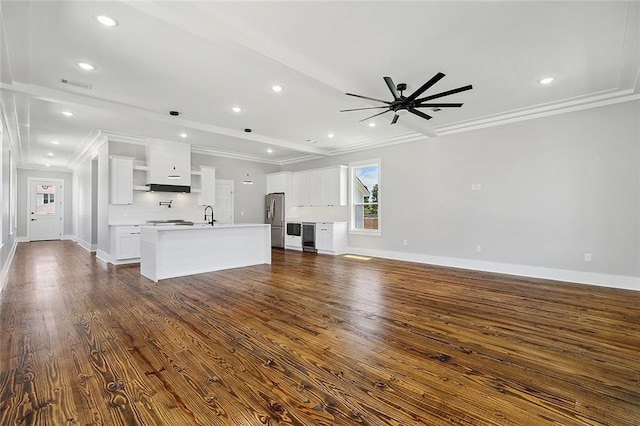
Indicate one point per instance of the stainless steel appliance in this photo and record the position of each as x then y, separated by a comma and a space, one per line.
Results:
274, 216
294, 229
309, 237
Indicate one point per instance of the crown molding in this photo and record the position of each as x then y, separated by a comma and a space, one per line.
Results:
379, 143
46, 169
514, 116
85, 149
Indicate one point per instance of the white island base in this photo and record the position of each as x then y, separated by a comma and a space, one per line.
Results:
176, 251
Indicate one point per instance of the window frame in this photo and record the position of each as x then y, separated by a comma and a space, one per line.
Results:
353, 166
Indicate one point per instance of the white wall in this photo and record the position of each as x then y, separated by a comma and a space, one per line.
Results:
552, 189
83, 178
8, 239
248, 199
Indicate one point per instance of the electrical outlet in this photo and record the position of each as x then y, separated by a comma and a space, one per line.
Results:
476, 187
405, 243
587, 257
478, 249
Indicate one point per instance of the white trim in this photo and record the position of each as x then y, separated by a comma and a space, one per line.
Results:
91, 248
357, 164
5, 268
537, 112
60, 183
592, 278
125, 261
69, 238
23, 239
103, 256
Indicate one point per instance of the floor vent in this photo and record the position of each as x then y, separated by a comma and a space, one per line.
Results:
79, 84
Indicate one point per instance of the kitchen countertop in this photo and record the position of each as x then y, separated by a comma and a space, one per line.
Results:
200, 226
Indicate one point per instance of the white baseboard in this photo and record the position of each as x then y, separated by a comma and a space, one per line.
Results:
5, 268
592, 278
87, 246
103, 256
69, 237
23, 240
125, 261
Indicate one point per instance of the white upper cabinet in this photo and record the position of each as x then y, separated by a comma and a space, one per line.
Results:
279, 182
320, 187
120, 180
169, 159
207, 195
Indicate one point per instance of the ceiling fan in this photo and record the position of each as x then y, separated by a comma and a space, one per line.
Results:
402, 103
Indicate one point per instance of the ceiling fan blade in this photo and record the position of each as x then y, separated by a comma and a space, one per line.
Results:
447, 93
366, 97
425, 86
359, 109
392, 87
419, 113
395, 119
436, 105
375, 115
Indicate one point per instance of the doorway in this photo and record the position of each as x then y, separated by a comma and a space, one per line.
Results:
46, 207
224, 201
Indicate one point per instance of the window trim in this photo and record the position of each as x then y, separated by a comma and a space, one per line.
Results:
352, 166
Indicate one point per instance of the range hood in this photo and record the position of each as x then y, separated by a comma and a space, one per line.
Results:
158, 187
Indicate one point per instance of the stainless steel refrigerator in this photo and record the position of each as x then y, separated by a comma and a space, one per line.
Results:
274, 216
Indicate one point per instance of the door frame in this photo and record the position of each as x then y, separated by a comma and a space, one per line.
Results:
233, 197
60, 184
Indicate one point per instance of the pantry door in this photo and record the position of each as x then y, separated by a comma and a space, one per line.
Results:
224, 201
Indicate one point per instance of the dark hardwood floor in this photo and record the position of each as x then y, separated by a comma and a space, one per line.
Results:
310, 340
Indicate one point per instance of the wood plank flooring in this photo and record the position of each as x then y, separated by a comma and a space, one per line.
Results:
310, 340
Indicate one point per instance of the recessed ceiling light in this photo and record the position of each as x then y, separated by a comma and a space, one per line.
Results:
183, 135
47, 165
49, 154
85, 65
372, 124
55, 142
276, 88
330, 135
106, 21
546, 80
236, 109
269, 150
67, 113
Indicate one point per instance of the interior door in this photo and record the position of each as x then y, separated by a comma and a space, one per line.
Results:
46, 211
224, 201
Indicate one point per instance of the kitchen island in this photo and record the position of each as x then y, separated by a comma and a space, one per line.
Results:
175, 251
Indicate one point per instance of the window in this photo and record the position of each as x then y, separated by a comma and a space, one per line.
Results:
365, 197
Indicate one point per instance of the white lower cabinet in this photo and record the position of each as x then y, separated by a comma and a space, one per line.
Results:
293, 242
126, 242
331, 237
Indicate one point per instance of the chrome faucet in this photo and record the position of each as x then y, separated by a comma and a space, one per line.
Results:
206, 215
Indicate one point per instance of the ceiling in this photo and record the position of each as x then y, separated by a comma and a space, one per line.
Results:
203, 58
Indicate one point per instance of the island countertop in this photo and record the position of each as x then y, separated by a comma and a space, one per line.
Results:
178, 250
202, 226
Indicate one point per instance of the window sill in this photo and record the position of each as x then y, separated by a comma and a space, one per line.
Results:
362, 232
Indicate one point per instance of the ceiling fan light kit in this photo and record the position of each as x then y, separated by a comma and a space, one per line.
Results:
403, 104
